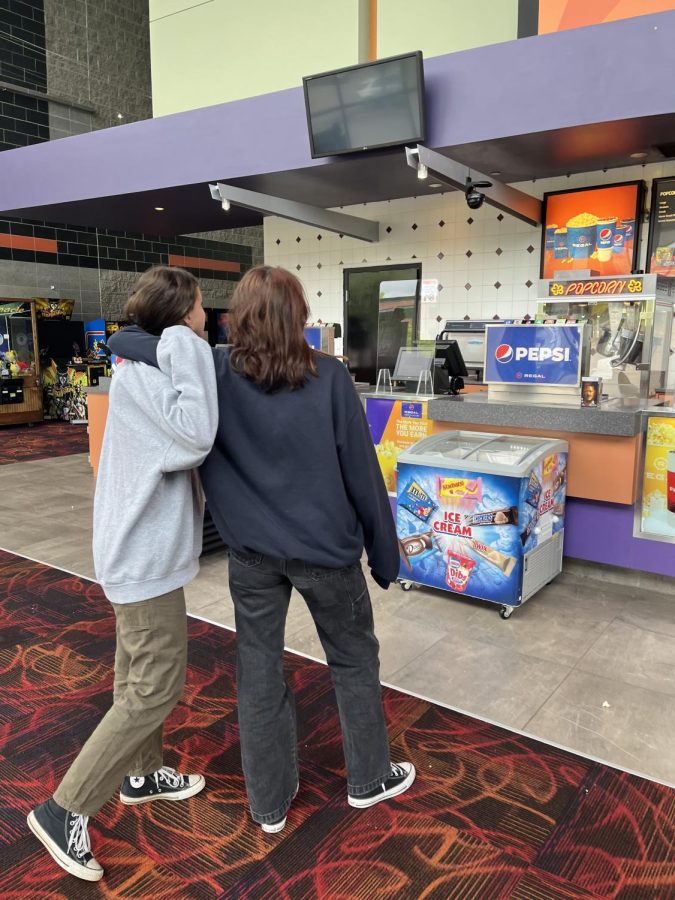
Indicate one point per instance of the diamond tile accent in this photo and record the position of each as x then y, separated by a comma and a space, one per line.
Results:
469, 221
467, 318
440, 255
500, 217
441, 224
498, 284
528, 318
499, 251
388, 259
319, 266
530, 249
413, 256
440, 288
495, 318
467, 286
340, 263
387, 229
298, 239
298, 267
414, 226
318, 237
340, 236
364, 260
439, 318
319, 294
469, 254
528, 283
277, 242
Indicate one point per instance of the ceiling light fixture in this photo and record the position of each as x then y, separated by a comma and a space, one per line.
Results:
159, 209
639, 155
495, 173
120, 116
422, 171
226, 205
435, 184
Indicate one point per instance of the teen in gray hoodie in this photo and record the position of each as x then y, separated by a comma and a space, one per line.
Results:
148, 519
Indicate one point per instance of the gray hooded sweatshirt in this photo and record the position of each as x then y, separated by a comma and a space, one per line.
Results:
149, 507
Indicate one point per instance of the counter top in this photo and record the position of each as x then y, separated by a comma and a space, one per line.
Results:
621, 418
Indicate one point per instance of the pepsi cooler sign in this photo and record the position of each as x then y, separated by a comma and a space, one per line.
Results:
533, 354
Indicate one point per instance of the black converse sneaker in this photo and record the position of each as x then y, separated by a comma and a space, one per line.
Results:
164, 784
400, 779
65, 836
280, 824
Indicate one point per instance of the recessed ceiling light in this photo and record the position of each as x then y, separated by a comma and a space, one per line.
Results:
120, 116
159, 209
435, 184
495, 173
640, 155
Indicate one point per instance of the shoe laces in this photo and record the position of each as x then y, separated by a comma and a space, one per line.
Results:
78, 837
168, 776
397, 771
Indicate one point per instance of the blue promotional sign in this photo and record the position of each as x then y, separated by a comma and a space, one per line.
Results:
313, 337
411, 410
533, 354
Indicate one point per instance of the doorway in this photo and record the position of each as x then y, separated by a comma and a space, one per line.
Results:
381, 315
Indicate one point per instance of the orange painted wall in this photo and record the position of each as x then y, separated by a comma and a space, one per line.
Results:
559, 15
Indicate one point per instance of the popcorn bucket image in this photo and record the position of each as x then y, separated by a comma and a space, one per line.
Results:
560, 243
581, 235
605, 231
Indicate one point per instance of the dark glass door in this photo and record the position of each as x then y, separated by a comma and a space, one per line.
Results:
381, 306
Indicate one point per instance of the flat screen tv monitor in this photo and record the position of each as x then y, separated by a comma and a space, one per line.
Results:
411, 362
452, 359
377, 104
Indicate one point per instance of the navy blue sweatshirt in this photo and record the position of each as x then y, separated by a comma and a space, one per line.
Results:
292, 474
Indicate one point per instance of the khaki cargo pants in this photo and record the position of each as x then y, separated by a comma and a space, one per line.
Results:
150, 664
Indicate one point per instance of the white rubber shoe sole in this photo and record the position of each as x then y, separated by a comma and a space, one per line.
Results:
90, 872
279, 826
195, 788
365, 802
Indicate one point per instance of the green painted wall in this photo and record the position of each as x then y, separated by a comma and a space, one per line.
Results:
211, 52
443, 26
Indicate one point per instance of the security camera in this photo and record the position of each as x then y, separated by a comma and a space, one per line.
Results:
474, 198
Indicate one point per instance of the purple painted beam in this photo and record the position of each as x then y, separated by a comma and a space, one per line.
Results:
611, 72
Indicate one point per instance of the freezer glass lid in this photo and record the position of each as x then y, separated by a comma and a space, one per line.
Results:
454, 446
507, 451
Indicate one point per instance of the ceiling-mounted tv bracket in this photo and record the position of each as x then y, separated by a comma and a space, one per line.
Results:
510, 200
326, 219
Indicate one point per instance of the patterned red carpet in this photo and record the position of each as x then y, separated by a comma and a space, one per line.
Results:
492, 814
19, 443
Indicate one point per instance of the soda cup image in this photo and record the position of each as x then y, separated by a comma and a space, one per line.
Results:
581, 235
560, 244
629, 234
619, 239
550, 233
604, 239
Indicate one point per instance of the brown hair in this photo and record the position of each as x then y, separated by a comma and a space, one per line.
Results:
268, 315
163, 296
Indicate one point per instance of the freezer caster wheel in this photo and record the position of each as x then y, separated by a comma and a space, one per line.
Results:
506, 612
406, 585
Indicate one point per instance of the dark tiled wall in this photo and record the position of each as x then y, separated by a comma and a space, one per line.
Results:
93, 248
23, 119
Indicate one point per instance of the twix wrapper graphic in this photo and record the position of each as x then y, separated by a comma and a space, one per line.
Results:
502, 561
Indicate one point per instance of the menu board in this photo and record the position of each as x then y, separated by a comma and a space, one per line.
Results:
592, 228
661, 251
658, 485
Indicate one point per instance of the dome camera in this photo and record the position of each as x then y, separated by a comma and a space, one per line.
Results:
474, 198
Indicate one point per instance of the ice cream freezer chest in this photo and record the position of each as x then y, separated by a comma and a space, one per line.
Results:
482, 515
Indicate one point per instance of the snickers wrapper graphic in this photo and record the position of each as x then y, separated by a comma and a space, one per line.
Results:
506, 516
415, 545
502, 561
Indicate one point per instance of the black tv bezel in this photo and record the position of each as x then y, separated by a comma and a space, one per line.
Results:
416, 54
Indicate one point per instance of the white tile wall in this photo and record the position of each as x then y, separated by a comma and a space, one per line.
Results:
319, 257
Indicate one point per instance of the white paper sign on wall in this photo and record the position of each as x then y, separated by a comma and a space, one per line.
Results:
429, 290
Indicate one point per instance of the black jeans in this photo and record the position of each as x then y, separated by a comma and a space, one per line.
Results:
339, 602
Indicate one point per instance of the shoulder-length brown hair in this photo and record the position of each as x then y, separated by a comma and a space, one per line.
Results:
268, 314
163, 296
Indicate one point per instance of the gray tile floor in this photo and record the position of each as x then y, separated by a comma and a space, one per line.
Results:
587, 664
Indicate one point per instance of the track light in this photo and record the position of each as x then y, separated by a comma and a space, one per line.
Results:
226, 205
422, 171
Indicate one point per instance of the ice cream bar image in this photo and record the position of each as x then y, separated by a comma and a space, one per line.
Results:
559, 480
506, 516
504, 563
533, 492
415, 545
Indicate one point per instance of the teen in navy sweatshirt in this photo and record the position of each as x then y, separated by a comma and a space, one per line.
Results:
295, 490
